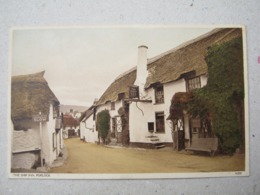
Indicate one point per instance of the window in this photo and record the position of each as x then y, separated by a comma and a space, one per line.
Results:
193, 83
159, 118
112, 105
159, 96
150, 126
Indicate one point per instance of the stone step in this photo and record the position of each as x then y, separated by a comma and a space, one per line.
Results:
154, 139
113, 140
160, 146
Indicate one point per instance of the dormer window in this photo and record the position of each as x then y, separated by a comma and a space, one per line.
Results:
159, 94
193, 83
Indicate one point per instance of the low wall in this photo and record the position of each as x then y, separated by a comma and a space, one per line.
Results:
25, 148
25, 140
24, 160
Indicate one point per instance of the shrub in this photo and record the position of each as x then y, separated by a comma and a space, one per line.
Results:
103, 124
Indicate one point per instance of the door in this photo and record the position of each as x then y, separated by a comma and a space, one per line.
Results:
113, 132
178, 125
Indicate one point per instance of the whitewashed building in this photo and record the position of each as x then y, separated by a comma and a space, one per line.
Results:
139, 100
34, 143
88, 132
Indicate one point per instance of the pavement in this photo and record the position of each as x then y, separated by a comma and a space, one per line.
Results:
57, 163
60, 160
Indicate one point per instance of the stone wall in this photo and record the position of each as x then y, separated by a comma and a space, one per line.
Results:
23, 141
26, 140
24, 160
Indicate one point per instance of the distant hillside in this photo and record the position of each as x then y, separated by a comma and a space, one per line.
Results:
66, 108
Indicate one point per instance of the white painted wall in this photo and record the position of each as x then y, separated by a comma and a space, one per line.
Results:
107, 106
48, 128
23, 141
139, 119
26, 140
82, 129
89, 130
141, 113
65, 133
61, 138
51, 153
31, 139
24, 160
203, 80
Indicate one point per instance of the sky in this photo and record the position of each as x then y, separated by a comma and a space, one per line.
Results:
81, 62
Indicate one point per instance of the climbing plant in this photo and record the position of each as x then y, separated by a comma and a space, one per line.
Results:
223, 97
103, 124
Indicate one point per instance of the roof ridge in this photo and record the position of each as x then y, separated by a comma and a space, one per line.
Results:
183, 45
126, 72
37, 74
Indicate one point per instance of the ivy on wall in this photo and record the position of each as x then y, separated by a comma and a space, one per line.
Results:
222, 99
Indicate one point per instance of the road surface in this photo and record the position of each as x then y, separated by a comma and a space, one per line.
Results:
93, 158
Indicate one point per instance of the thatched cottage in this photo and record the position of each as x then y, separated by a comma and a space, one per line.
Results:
139, 100
36, 122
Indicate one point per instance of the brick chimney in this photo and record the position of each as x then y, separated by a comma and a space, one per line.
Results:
142, 72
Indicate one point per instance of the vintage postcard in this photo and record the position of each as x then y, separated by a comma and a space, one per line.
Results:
128, 102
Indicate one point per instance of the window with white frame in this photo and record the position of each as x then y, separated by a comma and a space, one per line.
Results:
193, 83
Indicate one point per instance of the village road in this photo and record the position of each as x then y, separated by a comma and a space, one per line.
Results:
93, 158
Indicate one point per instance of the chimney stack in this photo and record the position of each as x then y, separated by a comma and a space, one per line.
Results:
141, 73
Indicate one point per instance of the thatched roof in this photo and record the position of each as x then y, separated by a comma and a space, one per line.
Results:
120, 85
187, 57
30, 94
85, 115
171, 65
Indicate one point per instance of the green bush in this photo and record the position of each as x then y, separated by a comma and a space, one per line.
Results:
103, 124
223, 96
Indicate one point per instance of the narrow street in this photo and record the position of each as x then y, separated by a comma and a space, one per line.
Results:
93, 158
